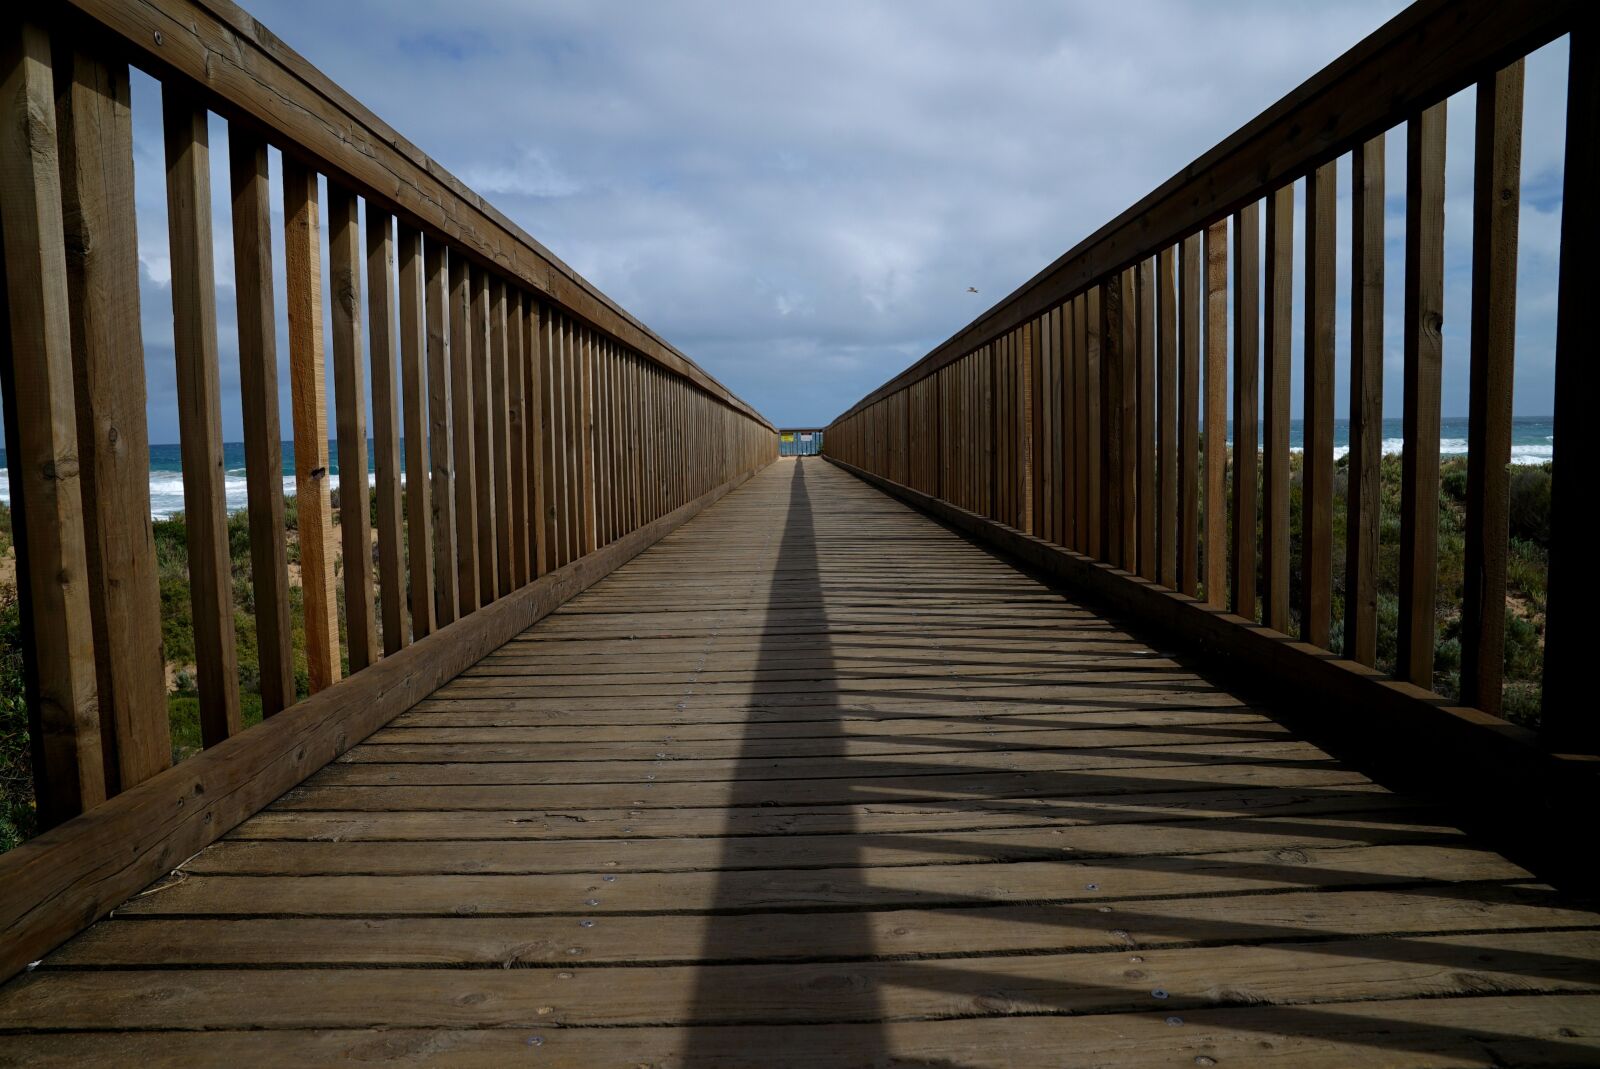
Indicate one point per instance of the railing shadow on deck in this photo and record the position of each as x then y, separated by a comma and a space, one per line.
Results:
854, 965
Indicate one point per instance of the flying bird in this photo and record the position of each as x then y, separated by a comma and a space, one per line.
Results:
972, 289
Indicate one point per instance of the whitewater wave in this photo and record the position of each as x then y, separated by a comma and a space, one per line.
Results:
166, 490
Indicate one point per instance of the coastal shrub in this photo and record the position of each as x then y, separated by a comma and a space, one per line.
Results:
16, 766
1528, 508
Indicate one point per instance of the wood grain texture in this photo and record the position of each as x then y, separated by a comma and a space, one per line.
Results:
263, 430
707, 860
1277, 319
1189, 415
1246, 406
194, 343
414, 388
308, 385
350, 408
1363, 495
1316, 494
1424, 360
386, 457
1496, 195
1213, 495
463, 455
441, 431
95, 132
42, 441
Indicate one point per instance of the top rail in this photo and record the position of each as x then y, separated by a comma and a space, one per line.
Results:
1428, 51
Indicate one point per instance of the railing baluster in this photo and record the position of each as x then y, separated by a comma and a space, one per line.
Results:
1566, 724
42, 440
350, 408
1089, 326
1146, 506
483, 436
538, 476
102, 265
465, 473
1316, 488
385, 426
1112, 363
550, 404
1496, 194
1278, 325
1189, 415
413, 384
194, 343
1216, 414
1424, 352
1078, 399
1246, 401
587, 443
518, 411
500, 435
1129, 390
308, 391
1363, 495
441, 431
1167, 417
263, 435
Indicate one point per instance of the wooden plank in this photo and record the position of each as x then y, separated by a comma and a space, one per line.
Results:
350, 416
463, 422
36, 369
1424, 357
1112, 414
1246, 404
1189, 415
1147, 507
1496, 196
485, 431
1316, 493
1363, 494
194, 343
1214, 528
386, 426
1278, 319
414, 387
1404, 1034
55, 884
1564, 724
441, 432
102, 273
258, 401
308, 394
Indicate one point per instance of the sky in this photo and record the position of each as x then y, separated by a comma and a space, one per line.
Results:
799, 195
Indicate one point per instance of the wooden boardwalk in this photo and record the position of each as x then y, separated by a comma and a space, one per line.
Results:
816, 782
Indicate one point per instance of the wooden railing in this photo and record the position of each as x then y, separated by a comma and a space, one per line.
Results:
546, 435
1089, 411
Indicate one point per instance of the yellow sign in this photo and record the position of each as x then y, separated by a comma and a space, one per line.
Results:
788, 437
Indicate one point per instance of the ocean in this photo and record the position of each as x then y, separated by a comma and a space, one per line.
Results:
1532, 442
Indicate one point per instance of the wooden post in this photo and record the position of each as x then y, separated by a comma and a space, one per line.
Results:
194, 343
42, 441
102, 265
1496, 194
1111, 415
1216, 414
465, 469
1279, 315
1424, 354
350, 407
1572, 726
517, 409
413, 384
499, 403
1089, 337
263, 434
1146, 507
441, 431
1316, 488
1189, 415
1363, 494
484, 431
385, 426
1246, 400
1167, 419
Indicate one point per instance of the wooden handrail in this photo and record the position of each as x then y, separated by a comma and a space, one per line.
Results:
1091, 408
548, 435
